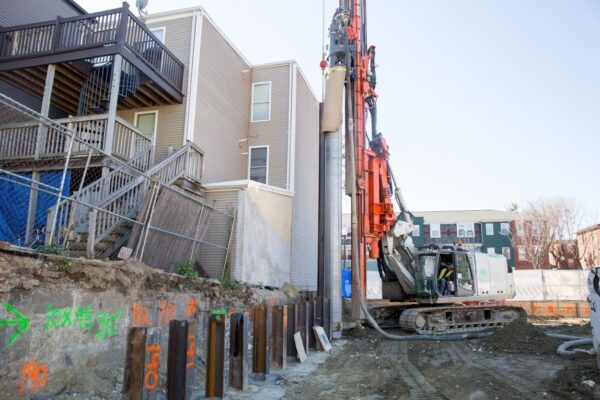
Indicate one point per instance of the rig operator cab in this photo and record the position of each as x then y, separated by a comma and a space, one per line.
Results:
450, 275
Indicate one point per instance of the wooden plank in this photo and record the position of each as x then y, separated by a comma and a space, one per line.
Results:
292, 318
300, 346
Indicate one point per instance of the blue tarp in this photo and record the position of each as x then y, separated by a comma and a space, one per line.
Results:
14, 200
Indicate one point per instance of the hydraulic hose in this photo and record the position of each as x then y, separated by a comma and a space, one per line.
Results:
563, 349
557, 335
355, 242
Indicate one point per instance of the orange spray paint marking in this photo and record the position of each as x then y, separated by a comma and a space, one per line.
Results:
141, 315
166, 311
33, 377
192, 307
151, 375
191, 351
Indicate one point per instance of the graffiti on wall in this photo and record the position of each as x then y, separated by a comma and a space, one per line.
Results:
103, 325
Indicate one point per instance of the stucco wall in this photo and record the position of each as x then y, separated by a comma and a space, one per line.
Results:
263, 236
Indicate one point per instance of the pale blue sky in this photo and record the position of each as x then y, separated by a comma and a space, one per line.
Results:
482, 102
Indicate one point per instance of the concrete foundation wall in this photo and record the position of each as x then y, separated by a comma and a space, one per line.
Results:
263, 236
79, 312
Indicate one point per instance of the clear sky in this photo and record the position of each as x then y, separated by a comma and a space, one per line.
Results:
483, 103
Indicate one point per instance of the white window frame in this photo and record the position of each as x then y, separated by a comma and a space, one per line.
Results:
522, 257
270, 101
506, 250
466, 227
439, 231
520, 229
250, 162
489, 229
160, 28
507, 225
491, 250
416, 231
135, 122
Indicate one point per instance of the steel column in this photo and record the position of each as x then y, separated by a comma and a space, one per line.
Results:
215, 358
238, 366
280, 332
261, 349
181, 359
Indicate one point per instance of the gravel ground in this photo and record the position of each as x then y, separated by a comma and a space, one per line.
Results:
519, 362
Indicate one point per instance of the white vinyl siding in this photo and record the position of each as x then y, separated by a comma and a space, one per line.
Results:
222, 107
261, 101
275, 132
305, 211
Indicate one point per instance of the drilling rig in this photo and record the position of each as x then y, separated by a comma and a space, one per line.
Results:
471, 296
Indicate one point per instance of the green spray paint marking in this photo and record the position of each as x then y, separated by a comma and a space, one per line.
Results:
109, 324
83, 319
22, 323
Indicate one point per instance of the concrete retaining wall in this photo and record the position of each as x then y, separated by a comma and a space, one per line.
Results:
78, 313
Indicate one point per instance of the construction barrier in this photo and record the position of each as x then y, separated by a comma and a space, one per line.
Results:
559, 309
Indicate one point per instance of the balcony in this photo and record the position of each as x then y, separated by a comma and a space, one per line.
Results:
33, 141
76, 44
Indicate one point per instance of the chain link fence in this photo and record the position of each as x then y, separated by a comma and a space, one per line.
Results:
88, 186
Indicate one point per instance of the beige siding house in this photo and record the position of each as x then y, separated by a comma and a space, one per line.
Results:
171, 97
251, 122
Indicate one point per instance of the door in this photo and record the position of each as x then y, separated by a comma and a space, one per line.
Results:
464, 275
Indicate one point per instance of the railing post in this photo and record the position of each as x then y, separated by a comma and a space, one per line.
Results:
112, 105
91, 239
122, 32
56, 34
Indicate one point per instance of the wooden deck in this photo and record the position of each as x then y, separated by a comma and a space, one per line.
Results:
76, 44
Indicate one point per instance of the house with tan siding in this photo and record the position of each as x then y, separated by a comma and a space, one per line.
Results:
255, 128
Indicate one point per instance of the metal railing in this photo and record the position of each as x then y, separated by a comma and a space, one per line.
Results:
127, 200
117, 27
30, 139
125, 204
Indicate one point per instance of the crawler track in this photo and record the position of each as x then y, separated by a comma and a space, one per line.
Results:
458, 319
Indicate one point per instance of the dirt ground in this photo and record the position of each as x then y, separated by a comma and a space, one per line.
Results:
518, 362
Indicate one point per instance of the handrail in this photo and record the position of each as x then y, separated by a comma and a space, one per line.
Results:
66, 208
126, 143
127, 200
145, 28
60, 19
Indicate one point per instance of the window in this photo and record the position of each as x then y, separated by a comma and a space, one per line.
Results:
159, 33
491, 250
522, 253
261, 102
535, 229
489, 229
504, 229
434, 231
465, 230
463, 273
146, 122
506, 252
520, 230
258, 168
416, 230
